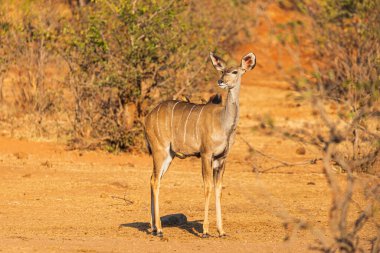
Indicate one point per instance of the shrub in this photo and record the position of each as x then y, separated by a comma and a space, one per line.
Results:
346, 70
26, 46
120, 56
118, 53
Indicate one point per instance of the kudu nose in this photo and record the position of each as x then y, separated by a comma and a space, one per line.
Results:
220, 82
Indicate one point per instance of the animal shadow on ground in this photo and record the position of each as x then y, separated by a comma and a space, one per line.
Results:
178, 220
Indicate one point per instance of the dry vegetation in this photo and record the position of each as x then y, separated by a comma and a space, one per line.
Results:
345, 77
104, 64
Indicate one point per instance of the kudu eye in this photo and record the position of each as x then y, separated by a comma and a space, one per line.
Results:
234, 72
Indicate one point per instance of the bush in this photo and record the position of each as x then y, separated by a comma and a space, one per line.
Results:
121, 56
26, 46
118, 53
346, 69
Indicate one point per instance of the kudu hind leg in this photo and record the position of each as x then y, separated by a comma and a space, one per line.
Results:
161, 162
218, 171
207, 180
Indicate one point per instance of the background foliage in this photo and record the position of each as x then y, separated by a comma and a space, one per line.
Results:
348, 46
344, 71
115, 58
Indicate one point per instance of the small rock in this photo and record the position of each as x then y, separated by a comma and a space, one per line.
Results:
333, 107
119, 185
301, 151
47, 164
130, 165
21, 155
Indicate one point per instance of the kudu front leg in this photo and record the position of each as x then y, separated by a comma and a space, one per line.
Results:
207, 181
218, 171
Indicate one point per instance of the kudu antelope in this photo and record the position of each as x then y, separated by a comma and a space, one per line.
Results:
182, 129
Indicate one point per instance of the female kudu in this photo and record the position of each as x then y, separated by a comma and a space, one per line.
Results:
178, 128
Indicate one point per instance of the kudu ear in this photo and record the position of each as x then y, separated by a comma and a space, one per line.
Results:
248, 62
218, 62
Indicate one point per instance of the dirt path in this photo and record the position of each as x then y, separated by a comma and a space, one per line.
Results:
53, 200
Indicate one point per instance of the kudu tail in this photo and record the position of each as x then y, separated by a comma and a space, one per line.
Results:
147, 144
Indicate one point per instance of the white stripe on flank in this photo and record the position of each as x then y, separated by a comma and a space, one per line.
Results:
158, 128
184, 134
171, 122
196, 124
166, 118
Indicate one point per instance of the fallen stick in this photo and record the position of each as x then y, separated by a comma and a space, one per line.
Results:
283, 163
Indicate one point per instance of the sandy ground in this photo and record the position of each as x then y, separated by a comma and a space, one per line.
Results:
54, 200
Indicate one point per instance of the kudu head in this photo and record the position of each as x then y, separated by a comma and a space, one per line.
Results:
231, 76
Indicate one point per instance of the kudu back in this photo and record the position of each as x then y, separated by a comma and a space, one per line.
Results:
182, 129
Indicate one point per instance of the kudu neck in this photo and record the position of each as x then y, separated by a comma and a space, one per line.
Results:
230, 114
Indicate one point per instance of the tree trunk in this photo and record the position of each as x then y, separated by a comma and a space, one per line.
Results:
1, 88
82, 3
78, 3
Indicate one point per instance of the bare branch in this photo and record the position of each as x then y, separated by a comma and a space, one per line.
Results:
283, 163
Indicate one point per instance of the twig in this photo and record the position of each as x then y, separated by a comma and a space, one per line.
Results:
161, 10
127, 202
283, 163
191, 79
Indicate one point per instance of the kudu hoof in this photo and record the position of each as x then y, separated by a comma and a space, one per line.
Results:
158, 234
205, 235
223, 235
